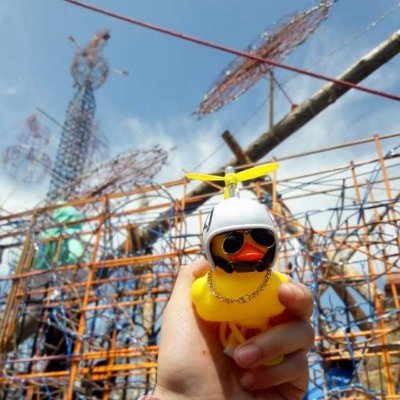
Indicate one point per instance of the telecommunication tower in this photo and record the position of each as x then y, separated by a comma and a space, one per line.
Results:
90, 71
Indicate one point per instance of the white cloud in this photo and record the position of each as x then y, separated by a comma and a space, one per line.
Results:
192, 141
9, 90
17, 195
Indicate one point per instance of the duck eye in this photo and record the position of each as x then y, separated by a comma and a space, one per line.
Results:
233, 242
263, 237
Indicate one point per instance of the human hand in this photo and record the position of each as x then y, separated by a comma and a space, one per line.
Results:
191, 364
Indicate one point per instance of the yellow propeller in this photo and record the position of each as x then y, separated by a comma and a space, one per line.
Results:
231, 178
204, 177
256, 172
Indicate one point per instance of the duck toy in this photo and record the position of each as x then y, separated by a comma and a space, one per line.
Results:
240, 242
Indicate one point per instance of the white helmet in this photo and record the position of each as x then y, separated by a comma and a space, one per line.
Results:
240, 215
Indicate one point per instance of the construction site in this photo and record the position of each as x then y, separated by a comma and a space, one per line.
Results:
90, 269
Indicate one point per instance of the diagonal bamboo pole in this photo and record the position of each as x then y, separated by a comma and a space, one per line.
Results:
294, 120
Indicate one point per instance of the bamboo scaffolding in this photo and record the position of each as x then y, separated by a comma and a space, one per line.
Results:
110, 317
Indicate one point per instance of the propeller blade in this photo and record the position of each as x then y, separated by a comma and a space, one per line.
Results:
204, 177
256, 172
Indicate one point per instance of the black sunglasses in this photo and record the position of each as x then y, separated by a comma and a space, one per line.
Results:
234, 241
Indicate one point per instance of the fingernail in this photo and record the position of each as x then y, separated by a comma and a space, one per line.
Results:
248, 354
247, 380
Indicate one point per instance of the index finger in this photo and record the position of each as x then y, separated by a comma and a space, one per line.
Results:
297, 300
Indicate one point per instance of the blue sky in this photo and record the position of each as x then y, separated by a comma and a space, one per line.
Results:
168, 77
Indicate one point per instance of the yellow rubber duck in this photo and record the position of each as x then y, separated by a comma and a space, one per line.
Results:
240, 241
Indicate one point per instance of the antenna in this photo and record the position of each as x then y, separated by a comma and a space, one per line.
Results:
27, 160
275, 44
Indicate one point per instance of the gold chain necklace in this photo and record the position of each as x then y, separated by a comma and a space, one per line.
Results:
242, 299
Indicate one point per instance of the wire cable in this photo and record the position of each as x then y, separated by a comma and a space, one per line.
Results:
234, 51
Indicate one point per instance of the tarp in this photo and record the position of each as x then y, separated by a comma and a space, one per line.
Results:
72, 249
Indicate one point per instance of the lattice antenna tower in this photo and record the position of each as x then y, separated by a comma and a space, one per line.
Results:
27, 161
90, 71
275, 44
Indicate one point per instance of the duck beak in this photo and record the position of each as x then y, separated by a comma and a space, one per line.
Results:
248, 252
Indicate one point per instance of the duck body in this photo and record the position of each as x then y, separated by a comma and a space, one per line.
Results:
254, 314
